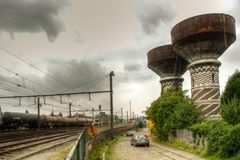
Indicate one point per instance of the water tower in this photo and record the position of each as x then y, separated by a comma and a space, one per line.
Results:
201, 40
168, 65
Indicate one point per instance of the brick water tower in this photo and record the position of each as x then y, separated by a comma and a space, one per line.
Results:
201, 40
169, 66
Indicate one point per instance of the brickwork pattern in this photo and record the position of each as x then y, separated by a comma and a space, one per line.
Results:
171, 85
205, 87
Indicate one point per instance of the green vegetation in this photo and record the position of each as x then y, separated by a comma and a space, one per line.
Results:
176, 111
179, 145
232, 89
223, 139
173, 110
223, 136
230, 100
98, 150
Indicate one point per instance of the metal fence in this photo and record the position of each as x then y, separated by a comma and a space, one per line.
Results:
78, 151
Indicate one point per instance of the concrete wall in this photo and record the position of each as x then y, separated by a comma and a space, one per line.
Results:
187, 137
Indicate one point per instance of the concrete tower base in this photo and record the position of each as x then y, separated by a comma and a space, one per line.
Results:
173, 83
205, 86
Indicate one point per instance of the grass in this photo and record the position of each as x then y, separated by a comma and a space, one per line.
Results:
183, 146
111, 147
200, 152
62, 152
97, 151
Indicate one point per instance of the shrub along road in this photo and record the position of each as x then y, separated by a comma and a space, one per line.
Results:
124, 151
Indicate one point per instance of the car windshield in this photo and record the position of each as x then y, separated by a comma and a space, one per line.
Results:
141, 138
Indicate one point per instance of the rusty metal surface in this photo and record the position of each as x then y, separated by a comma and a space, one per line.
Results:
204, 24
165, 62
161, 53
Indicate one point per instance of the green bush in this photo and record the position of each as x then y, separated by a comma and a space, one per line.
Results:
223, 139
173, 110
230, 111
230, 100
232, 88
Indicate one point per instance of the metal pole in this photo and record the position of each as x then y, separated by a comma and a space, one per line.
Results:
38, 107
130, 111
122, 114
92, 112
111, 103
100, 119
70, 109
127, 116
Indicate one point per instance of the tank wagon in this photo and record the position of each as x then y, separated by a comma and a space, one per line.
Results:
15, 120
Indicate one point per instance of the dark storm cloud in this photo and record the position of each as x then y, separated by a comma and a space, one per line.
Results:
136, 77
132, 66
78, 76
32, 16
153, 16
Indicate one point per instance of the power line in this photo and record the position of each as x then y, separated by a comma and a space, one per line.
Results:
6, 89
21, 86
17, 74
84, 83
96, 83
31, 65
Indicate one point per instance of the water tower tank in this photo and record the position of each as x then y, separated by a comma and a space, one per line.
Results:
168, 65
201, 40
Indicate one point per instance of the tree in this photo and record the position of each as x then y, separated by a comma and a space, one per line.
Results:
230, 100
230, 111
172, 111
232, 89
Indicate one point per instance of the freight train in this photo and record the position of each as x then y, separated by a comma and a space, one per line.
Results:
15, 120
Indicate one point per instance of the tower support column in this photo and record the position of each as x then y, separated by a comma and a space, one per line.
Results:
205, 86
173, 83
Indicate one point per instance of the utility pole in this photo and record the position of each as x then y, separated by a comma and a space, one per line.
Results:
122, 114
92, 112
100, 119
38, 107
70, 109
127, 116
111, 103
130, 110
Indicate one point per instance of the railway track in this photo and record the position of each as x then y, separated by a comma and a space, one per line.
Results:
14, 136
20, 144
168, 153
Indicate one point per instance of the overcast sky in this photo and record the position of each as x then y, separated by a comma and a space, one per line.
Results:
80, 41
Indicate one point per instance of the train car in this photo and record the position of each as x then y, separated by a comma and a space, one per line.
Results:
86, 121
14, 120
52, 121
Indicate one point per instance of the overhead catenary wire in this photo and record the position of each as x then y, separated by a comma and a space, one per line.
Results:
21, 86
33, 66
88, 82
12, 91
34, 91
34, 82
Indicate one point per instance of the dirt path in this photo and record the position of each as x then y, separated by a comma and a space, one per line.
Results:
124, 151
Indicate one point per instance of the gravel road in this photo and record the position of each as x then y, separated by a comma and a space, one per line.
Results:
124, 151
